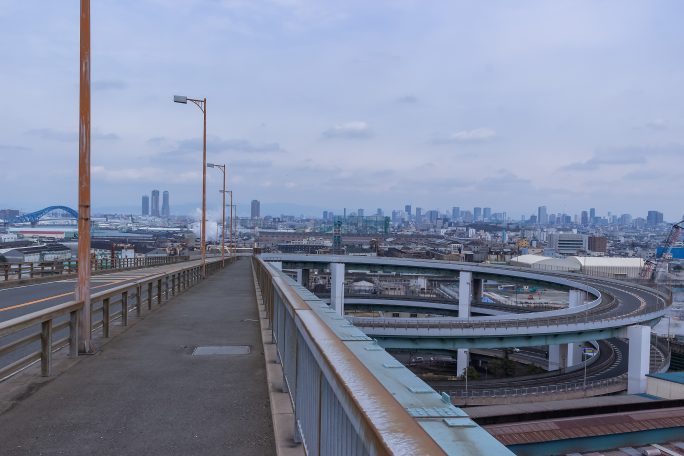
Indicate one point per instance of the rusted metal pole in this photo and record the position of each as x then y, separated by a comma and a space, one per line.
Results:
231, 224
85, 342
203, 240
223, 224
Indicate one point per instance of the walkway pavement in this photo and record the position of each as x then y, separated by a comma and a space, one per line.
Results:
145, 393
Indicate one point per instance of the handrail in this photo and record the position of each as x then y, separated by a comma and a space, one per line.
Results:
10, 272
316, 359
165, 284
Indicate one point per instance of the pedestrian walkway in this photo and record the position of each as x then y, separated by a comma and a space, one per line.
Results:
146, 393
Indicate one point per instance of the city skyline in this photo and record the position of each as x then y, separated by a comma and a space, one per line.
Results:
589, 116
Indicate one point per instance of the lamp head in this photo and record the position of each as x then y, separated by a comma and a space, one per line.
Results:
180, 99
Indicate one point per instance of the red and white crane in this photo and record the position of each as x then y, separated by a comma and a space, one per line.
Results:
651, 266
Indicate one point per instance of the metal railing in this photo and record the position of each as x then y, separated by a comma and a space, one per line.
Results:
57, 327
30, 270
619, 383
340, 405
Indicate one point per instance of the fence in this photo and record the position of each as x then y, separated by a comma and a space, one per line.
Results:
57, 327
18, 271
341, 407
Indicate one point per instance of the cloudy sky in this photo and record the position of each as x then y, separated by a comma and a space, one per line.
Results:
357, 104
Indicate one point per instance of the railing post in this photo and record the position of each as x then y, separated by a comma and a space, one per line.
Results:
173, 284
124, 308
31, 271
19, 271
159, 292
138, 300
105, 317
46, 348
73, 333
149, 296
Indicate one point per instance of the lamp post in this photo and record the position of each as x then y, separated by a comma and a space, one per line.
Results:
222, 168
202, 105
230, 241
85, 326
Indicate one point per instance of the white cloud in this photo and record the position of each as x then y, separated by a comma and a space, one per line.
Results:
144, 174
477, 135
349, 130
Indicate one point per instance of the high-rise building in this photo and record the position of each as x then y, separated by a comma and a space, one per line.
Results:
419, 215
568, 243
592, 216
165, 209
325, 215
379, 212
654, 218
455, 213
585, 218
359, 212
477, 214
542, 216
154, 207
597, 244
256, 209
487, 213
145, 205
407, 209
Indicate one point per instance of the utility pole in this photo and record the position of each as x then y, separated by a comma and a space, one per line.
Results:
85, 344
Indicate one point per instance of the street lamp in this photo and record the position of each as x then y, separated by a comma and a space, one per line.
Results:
230, 241
202, 105
222, 168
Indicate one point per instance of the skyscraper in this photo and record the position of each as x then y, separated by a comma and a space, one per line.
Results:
256, 209
359, 212
407, 209
165, 210
145, 205
592, 216
542, 216
654, 218
477, 214
487, 213
455, 213
585, 218
419, 214
154, 209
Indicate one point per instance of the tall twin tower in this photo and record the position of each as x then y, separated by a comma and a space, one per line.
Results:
154, 209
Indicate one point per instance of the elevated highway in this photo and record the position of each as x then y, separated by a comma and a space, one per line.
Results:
612, 308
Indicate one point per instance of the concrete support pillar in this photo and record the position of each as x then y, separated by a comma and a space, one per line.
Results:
576, 298
305, 278
337, 287
300, 276
574, 355
477, 290
462, 357
558, 357
639, 358
465, 293
276, 264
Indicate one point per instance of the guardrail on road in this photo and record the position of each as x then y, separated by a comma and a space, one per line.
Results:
62, 320
28, 270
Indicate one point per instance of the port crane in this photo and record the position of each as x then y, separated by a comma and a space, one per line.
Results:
653, 266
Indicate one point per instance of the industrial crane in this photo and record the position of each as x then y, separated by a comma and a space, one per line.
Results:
651, 266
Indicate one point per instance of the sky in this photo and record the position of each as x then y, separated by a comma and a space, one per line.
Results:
319, 105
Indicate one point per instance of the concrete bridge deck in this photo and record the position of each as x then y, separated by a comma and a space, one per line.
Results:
146, 393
